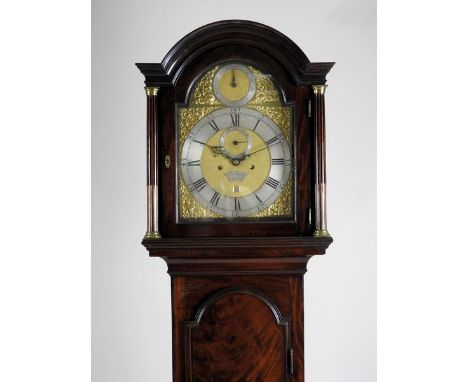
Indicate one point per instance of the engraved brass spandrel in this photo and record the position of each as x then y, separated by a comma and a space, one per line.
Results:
281, 116
203, 94
188, 117
189, 208
266, 90
267, 101
283, 206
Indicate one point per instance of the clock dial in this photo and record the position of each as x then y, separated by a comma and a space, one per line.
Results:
235, 162
235, 145
234, 85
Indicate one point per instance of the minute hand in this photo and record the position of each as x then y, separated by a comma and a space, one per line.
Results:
216, 150
263, 148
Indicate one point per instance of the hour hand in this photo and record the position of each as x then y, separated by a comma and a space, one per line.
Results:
218, 150
214, 149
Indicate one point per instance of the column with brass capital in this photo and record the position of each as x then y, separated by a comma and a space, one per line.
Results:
152, 229
320, 163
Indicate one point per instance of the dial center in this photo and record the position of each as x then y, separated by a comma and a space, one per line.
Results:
235, 177
236, 142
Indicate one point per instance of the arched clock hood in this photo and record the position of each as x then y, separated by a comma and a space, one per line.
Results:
223, 34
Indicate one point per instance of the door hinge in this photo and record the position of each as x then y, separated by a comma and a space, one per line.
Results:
309, 108
291, 361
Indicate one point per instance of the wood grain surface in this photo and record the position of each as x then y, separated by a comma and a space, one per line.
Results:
238, 339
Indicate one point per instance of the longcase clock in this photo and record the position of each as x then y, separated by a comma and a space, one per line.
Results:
236, 197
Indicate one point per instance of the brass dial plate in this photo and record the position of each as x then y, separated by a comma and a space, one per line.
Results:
235, 162
203, 102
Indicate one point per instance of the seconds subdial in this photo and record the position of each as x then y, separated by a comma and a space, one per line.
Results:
236, 142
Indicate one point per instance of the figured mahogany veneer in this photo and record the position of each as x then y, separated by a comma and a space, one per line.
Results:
244, 333
240, 336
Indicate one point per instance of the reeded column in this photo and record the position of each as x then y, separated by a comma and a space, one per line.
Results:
320, 163
152, 229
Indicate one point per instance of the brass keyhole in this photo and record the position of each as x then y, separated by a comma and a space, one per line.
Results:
167, 161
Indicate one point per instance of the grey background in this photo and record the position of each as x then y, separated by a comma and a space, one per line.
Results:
131, 326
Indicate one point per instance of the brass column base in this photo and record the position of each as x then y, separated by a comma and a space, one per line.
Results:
152, 235
321, 233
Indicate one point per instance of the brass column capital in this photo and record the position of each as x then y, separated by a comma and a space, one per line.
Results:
151, 90
319, 89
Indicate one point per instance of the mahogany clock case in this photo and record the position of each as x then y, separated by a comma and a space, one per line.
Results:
237, 286
271, 52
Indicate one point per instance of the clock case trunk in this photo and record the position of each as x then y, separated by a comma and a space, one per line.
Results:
237, 288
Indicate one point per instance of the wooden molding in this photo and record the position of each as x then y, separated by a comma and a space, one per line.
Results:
235, 32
